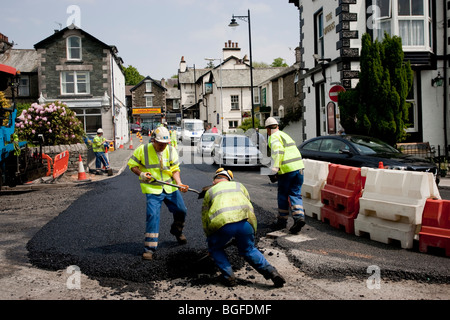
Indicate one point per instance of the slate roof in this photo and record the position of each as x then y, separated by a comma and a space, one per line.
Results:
24, 60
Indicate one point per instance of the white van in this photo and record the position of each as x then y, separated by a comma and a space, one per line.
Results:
191, 131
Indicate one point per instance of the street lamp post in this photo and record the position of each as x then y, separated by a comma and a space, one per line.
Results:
221, 90
234, 24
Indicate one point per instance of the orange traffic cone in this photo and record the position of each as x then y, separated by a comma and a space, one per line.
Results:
121, 143
81, 172
380, 165
131, 143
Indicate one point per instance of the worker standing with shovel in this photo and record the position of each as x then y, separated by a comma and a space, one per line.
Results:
157, 162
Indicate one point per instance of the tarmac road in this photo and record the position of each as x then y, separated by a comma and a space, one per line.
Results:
102, 233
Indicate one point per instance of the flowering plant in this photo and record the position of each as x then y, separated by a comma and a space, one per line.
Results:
55, 121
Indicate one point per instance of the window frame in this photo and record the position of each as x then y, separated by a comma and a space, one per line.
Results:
69, 49
234, 99
63, 84
391, 24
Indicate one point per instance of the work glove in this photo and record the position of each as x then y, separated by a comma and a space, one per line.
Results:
146, 176
184, 188
273, 178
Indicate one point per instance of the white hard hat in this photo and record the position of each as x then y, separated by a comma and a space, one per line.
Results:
162, 135
100, 130
271, 121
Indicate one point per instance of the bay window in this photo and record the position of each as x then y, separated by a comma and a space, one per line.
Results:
409, 19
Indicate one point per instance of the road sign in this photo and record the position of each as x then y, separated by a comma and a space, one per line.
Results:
334, 91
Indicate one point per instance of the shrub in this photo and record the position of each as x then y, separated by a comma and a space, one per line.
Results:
55, 121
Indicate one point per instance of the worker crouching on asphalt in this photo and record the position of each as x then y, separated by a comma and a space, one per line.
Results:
158, 160
287, 169
227, 213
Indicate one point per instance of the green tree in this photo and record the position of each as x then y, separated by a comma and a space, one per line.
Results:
247, 123
278, 62
132, 76
377, 105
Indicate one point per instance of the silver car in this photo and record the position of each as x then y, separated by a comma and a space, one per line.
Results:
206, 144
236, 150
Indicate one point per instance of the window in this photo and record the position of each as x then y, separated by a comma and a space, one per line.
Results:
90, 118
412, 111
280, 89
24, 86
176, 104
149, 101
408, 19
256, 96
75, 82
319, 45
234, 102
74, 48
148, 87
233, 124
296, 87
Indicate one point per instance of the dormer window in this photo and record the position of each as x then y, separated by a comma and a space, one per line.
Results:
73, 48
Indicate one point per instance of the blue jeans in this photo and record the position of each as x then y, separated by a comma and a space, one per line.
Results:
290, 190
100, 158
174, 202
245, 241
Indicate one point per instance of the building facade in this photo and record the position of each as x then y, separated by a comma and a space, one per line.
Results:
222, 94
330, 44
77, 69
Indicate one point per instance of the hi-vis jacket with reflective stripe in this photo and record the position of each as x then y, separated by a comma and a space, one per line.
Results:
285, 153
226, 202
97, 144
146, 159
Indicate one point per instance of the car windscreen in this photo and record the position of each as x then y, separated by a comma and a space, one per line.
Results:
193, 126
208, 137
371, 146
237, 142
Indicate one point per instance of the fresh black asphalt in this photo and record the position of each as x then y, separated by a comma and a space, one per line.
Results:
102, 233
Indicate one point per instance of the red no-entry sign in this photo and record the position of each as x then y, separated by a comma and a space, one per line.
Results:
334, 91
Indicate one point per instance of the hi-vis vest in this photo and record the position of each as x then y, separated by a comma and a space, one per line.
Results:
146, 159
97, 144
285, 153
226, 202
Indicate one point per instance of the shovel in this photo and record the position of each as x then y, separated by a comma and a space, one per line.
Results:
201, 194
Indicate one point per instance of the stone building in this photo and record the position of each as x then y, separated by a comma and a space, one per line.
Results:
85, 73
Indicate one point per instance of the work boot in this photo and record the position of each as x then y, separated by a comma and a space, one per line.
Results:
280, 224
177, 230
228, 281
278, 280
148, 255
298, 225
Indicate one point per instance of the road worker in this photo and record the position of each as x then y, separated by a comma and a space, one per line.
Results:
158, 160
173, 138
287, 168
98, 146
227, 213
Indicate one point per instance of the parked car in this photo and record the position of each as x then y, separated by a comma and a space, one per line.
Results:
134, 128
146, 128
205, 145
363, 151
236, 150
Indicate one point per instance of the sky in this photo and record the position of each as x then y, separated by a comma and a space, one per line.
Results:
153, 35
